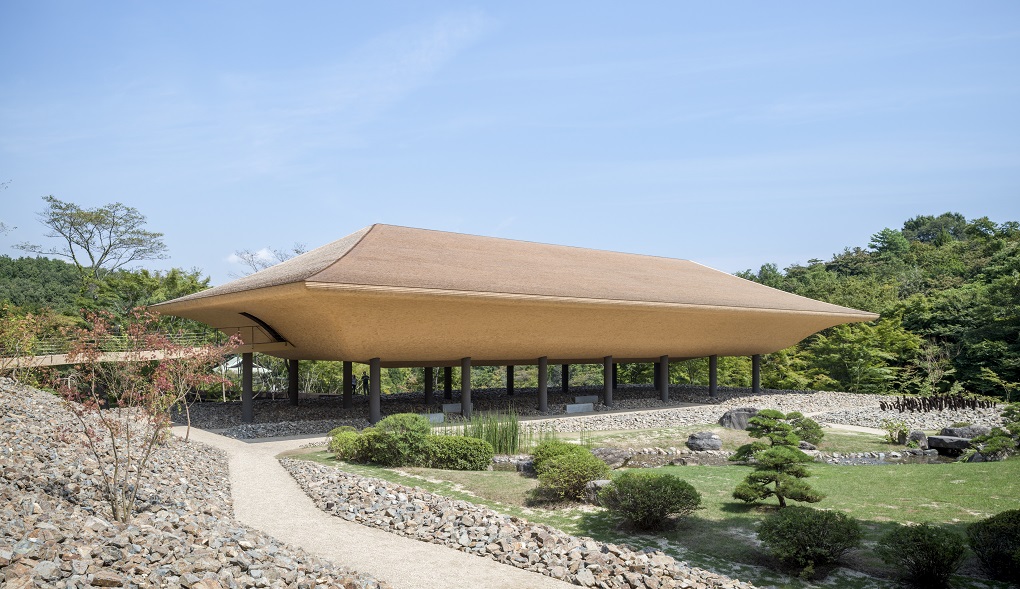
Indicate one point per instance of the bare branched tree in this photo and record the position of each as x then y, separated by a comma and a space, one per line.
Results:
5, 228
264, 258
98, 241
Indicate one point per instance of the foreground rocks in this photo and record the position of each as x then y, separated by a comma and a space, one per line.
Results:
412, 512
56, 529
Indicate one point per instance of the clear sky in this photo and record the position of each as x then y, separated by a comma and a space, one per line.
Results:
729, 133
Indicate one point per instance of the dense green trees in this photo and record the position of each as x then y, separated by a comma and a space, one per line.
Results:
948, 290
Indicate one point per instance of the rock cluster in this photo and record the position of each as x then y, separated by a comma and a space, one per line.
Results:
415, 513
56, 529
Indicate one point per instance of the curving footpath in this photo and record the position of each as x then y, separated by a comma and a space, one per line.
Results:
267, 498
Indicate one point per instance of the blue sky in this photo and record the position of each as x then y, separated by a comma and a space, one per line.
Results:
732, 134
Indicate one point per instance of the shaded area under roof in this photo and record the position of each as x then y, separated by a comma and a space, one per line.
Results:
422, 297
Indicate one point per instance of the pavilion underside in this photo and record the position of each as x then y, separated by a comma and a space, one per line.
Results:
397, 297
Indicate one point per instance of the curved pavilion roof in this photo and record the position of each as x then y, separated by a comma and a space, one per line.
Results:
416, 297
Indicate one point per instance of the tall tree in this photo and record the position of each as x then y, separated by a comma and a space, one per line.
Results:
98, 241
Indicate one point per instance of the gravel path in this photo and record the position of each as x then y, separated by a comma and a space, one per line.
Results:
266, 497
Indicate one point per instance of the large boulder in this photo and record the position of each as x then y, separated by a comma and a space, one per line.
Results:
802, 445
967, 431
919, 437
737, 418
614, 457
593, 488
948, 445
700, 441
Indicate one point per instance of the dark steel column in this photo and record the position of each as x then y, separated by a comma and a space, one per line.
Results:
565, 377
465, 387
430, 385
510, 380
664, 378
616, 376
543, 384
247, 402
348, 385
607, 379
292, 381
375, 396
656, 373
756, 373
448, 383
713, 376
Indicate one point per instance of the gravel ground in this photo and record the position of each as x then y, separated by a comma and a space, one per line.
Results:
57, 531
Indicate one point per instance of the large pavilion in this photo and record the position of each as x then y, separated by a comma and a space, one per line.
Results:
393, 296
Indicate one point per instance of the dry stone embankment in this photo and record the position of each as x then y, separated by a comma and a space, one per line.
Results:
56, 530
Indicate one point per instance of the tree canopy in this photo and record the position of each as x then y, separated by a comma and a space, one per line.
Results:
97, 241
948, 291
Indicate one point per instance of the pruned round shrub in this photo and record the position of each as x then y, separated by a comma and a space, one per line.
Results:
926, 555
805, 538
996, 541
565, 476
344, 444
550, 449
647, 500
342, 428
458, 453
398, 440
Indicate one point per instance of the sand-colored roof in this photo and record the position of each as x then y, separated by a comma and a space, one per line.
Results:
417, 297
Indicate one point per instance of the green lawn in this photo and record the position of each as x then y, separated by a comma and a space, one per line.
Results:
721, 536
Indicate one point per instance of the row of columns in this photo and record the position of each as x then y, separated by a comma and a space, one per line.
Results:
610, 378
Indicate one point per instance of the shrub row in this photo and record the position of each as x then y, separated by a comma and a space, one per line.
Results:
404, 439
925, 555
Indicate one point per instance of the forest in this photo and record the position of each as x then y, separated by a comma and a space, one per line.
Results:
947, 289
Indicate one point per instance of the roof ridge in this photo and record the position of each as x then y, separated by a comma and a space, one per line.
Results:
370, 228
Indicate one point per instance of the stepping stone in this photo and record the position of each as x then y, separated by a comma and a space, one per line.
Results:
452, 408
436, 417
580, 408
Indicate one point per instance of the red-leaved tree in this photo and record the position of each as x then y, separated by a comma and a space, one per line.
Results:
126, 378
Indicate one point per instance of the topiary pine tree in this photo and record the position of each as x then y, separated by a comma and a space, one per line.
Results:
779, 465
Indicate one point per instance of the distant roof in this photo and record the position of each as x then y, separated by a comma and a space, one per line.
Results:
417, 296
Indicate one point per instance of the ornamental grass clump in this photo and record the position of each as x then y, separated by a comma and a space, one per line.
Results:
501, 430
805, 538
648, 501
925, 555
